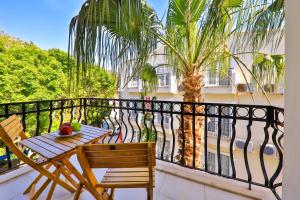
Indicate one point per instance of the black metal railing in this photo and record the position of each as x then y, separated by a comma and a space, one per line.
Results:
251, 151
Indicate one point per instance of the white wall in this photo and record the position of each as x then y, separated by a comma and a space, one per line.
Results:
291, 176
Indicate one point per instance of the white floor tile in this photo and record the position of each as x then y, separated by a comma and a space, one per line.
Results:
177, 188
216, 194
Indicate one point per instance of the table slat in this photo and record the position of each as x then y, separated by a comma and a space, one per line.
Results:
54, 143
64, 142
40, 150
46, 146
50, 146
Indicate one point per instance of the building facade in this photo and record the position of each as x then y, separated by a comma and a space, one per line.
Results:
231, 89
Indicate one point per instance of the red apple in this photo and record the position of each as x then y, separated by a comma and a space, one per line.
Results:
66, 124
65, 130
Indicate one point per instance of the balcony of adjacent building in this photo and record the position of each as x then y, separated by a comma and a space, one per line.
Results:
217, 82
166, 82
241, 145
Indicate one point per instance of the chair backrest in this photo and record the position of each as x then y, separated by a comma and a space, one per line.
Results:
116, 156
12, 128
119, 155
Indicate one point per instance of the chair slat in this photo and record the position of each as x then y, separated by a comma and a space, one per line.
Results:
125, 179
8, 120
116, 147
130, 165
119, 153
127, 174
13, 128
12, 124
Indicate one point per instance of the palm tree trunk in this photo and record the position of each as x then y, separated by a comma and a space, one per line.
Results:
192, 85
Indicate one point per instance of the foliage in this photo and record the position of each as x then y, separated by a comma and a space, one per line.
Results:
266, 20
29, 73
269, 69
149, 79
195, 36
122, 26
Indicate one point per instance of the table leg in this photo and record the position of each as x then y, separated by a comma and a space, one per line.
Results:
79, 189
43, 187
66, 174
74, 171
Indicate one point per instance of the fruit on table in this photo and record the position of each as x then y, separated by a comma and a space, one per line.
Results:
65, 130
66, 124
76, 126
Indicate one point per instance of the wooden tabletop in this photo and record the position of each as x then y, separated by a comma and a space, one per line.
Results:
50, 146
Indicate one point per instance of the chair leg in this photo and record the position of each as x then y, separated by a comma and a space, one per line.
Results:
78, 192
150, 193
36, 180
70, 179
38, 193
50, 193
112, 192
105, 195
42, 188
66, 172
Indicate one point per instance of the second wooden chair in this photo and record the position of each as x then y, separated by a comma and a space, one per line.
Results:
130, 166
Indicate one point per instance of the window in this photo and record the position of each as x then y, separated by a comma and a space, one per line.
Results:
217, 78
133, 83
133, 114
212, 121
167, 149
163, 80
211, 161
226, 122
163, 74
212, 124
166, 120
212, 78
225, 164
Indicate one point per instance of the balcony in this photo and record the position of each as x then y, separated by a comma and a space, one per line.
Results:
165, 84
216, 82
228, 169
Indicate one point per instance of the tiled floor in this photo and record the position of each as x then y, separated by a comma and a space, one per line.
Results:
168, 187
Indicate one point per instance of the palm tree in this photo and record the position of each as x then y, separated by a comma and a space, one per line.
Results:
122, 35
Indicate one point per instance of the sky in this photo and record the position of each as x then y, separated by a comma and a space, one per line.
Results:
46, 22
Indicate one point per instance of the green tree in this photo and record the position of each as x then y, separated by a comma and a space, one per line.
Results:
124, 34
28, 73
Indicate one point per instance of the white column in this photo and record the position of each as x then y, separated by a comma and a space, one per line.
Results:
291, 171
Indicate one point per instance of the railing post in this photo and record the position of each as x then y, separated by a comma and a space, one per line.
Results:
61, 112
205, 138
6, 110
24, 116
37, 130
85, 111
50, 116
80, 110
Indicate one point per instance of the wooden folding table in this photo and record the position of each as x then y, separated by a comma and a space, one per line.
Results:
58, 151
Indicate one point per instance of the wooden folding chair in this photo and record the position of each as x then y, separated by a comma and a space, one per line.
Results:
130, 166
11, 131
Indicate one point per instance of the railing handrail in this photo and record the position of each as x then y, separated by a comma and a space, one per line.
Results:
114, 111
141, 100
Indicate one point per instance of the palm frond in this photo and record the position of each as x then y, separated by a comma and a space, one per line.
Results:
110, 33
267, 28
